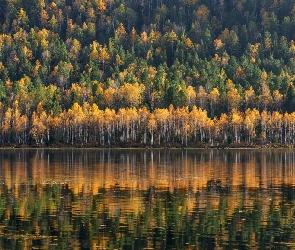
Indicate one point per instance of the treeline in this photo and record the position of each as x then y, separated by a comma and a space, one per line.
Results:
88, 125
218, 55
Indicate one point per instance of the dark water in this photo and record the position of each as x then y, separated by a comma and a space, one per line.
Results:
147, 199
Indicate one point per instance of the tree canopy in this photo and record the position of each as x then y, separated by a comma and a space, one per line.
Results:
223, 57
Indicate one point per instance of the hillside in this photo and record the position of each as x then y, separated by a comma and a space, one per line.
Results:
145, 72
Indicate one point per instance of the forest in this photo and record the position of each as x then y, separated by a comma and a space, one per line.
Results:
147, 72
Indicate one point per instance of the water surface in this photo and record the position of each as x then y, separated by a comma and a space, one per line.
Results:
147, 199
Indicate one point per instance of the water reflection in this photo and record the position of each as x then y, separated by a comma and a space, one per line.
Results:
147, 199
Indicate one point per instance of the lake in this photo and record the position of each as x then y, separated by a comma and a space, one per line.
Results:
147, 199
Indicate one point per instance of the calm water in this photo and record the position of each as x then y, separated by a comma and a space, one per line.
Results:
147, 199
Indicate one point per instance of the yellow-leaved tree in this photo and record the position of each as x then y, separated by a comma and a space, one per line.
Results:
252, 119
237, 124
131, 95
76, 119
161, 117
39, 128
233, 96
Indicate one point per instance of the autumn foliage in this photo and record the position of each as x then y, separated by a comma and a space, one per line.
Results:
155, 72
89, 125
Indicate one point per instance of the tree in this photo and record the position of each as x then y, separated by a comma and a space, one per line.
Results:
110, 118
233, 96
254, 50
76, 118
6, 125
202, 15
221, 128
19, 124
133, 37
265, 97
231, 40
267, 42
190, 96
198, 118
161, 117
22, 18
171, 38
214, 98
202, 98
275, 127
265, 118
53, 24
121, 34
44, 18
143, 119
109, 96
289, 103
152, 125
131, 94
97, 124
62, 73
39, 129
236, 123
75, 50
250, 98
219, 46
252, 118
277, 100
103, 56
101, 6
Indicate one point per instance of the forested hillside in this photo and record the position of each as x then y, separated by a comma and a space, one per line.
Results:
164, 72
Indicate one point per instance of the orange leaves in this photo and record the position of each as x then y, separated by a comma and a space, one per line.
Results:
191, 95
254, 49
239, 73
188, 43
94, 54
237, 122
133, 36
202, 97
76, 115
171, 36
249, 96
96, 115
121, 32
218, 44
252, 118
101, 5
233, 96
202, 13
237, 118
109, 96
62, 73
44, 17
161, 115
6, 124
22, 17
131, 94
42, 34
197, 119
85, 123
99, 53
39, 125
214, 96
75, 49
110, 117
5, 40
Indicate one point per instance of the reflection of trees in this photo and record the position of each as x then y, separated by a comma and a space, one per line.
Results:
52, 215
90, 170
159, 199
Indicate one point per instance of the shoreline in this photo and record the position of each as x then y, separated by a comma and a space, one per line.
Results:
141, 146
